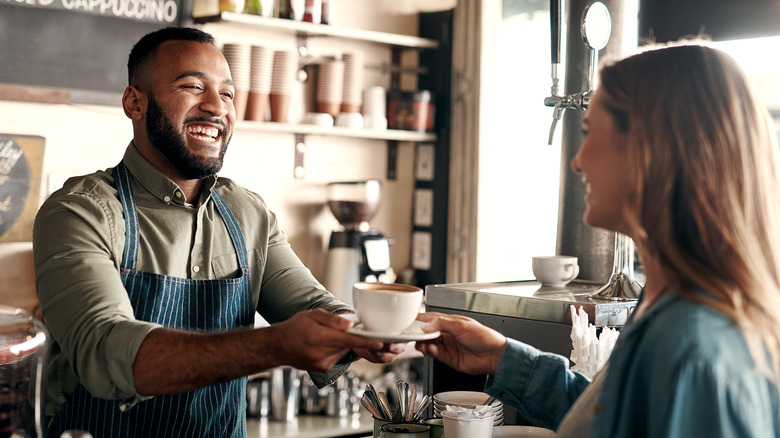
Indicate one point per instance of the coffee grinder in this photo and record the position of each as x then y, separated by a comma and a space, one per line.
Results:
355, 252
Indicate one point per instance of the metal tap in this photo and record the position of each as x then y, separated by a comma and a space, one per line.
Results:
555, 100
595, 37
577, 101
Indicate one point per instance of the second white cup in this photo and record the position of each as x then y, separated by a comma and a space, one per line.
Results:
468, 427
555, 271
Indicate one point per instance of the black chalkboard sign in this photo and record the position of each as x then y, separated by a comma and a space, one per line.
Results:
52, 47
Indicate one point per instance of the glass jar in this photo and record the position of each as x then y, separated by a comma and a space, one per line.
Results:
22, 354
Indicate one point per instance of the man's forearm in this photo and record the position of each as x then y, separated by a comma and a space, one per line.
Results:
174, 361
171, 361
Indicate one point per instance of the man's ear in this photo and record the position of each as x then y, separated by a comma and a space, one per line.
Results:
134, 103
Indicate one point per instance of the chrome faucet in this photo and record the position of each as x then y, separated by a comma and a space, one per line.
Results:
596, 28
577, 101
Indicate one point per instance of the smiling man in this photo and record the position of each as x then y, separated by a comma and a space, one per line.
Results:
149, 273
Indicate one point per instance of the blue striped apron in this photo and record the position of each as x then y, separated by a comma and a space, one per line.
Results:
201, 305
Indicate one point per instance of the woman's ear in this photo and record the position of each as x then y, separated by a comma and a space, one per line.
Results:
134, 103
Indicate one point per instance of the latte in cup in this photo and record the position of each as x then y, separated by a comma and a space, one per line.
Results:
388, 308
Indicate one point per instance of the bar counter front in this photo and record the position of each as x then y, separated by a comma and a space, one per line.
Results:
312, 426
522, 310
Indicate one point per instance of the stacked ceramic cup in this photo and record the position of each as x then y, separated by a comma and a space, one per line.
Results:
239, 58
259, 82
330, 85
282, 81
375, 108
352, 91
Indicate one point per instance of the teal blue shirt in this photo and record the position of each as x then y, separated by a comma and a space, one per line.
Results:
680, 370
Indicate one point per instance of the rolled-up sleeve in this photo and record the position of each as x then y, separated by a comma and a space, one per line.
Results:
287, 286
539, 385
84, 303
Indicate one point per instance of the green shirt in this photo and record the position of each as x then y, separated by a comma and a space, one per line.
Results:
78, 239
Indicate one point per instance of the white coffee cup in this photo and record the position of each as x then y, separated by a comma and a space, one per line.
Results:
350, 120
386, 307
555, 271
467, 427
319, 119
378, 123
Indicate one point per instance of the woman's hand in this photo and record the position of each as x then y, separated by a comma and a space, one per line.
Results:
464, 344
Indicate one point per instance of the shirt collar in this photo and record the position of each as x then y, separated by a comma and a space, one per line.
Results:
158, 184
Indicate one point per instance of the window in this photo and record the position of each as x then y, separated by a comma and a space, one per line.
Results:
518, 184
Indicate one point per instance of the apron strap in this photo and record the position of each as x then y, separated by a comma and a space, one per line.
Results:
233, 228
125, 189
130, 254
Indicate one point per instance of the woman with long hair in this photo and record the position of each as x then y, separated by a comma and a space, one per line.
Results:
680, 155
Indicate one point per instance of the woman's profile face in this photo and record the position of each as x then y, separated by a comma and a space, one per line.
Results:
603, 163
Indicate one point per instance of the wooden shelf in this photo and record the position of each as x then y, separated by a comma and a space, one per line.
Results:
302, 31
338, 131
319, 30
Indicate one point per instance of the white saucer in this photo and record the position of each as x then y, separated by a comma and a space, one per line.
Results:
413, 333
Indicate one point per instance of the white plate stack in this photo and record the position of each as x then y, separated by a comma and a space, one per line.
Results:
466, 399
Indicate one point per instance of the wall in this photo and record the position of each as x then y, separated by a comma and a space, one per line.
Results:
722, 20
83, 138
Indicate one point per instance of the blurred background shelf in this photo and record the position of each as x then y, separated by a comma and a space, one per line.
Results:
315, 30
289, 128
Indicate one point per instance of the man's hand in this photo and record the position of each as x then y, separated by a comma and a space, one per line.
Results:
315, 340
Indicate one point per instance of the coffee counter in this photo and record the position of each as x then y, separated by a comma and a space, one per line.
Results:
523, 310
531, 301
311, 426
527, 311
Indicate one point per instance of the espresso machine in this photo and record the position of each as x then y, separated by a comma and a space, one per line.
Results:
356, 252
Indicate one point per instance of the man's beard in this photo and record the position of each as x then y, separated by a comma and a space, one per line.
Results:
172, 145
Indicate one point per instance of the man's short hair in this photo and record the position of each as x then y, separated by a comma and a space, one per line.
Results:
147, 46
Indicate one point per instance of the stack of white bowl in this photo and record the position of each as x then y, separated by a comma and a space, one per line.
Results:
352, 93
330, 85
239, 58
466, 399
259, 82
282, 80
